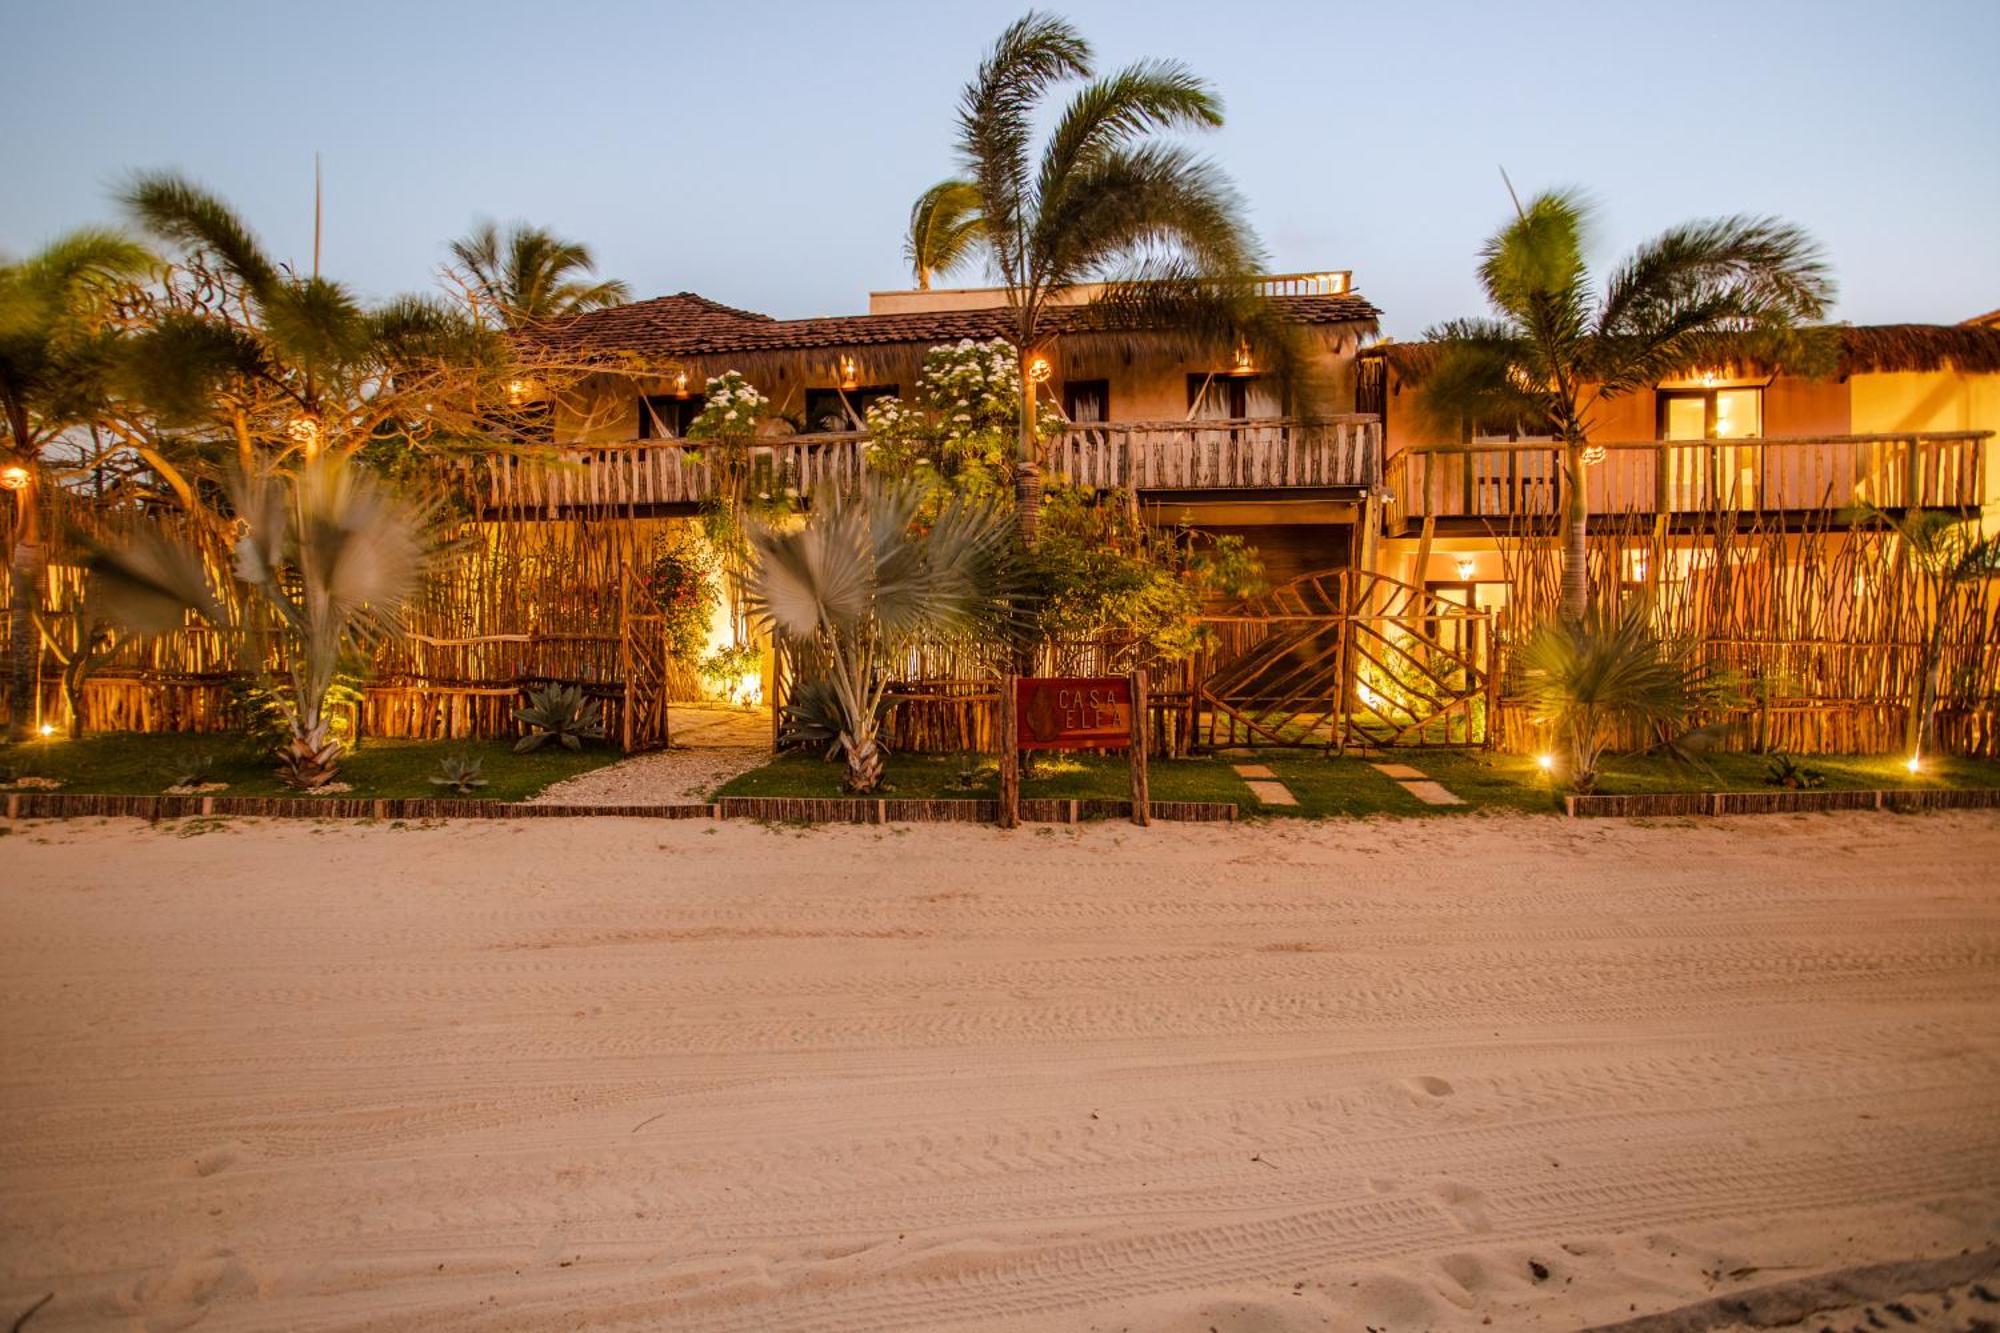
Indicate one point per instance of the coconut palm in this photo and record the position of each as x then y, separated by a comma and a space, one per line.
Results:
526, 275
1106, 199
861, 582
57, 338
1558, 345
327, 553
944, 230
1586, 676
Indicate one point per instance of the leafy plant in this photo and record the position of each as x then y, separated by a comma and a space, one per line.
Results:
862, 580
1585, 678
1784, 771
562, 714
193, 766
526, 275
811, 719
679, 573
459, 772
726, 669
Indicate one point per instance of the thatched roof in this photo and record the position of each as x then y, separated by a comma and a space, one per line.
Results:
1971, 348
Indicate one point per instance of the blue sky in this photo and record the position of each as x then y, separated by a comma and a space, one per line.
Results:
766, 154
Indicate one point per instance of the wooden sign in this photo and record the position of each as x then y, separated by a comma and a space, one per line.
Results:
1072, 713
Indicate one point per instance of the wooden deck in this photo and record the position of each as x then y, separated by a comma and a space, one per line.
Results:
1770, 475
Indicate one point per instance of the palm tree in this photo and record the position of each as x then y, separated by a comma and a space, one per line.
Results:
1949, 556
57, 338
1106, 199
944, 230
327, 552
1557, 345
1585, 676
862, 581
528, 275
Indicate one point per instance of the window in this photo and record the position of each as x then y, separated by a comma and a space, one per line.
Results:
1214, 397
827, 409
1087, 401
1711, 475
667, 417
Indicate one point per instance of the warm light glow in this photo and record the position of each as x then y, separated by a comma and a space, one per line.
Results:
1243, 365
1547, 762
1911, 764
680, 384
1593, 454
14, 477
1039, 369
517, 390
850, 374
1708, 379
1465, 570
304, 431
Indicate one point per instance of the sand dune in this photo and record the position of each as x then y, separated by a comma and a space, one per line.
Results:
627, 1075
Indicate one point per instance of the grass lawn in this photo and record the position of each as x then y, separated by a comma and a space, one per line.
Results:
944, 777
127, 764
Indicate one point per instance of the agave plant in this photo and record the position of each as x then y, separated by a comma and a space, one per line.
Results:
1585, 678
460, 772
328, 554
1784, 771
860, 581
559, 713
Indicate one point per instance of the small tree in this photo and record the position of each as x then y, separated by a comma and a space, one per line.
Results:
863, 580
327, 553
1952, 561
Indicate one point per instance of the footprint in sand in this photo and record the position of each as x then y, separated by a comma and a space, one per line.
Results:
1466, 1205
1431, 1086
217, 1159
179, 1297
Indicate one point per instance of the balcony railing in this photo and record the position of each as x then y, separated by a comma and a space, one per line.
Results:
1773, 475
1146, 456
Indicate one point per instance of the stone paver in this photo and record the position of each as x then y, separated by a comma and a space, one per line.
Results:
1254, 771
1271, 793
1398, 771
1431, 793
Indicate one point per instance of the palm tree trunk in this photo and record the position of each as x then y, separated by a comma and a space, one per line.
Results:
1576, 523
864, 758
24, 658
1027, 461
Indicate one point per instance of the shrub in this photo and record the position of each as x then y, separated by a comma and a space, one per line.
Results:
559, 713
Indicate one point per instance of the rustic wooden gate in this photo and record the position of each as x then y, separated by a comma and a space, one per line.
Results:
643, 723
1344, 658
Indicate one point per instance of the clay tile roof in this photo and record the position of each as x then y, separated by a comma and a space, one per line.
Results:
689, 325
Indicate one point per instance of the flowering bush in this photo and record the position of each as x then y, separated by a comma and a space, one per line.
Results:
731, 411
680, 574
961, 424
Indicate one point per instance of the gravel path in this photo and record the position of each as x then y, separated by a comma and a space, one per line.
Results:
655, 779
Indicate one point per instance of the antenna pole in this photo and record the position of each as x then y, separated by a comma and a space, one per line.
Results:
317, 193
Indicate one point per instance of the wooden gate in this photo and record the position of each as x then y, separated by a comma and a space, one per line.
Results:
1344, 658
643, 723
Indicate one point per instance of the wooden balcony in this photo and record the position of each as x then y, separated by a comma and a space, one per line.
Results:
662, 476
1769, 476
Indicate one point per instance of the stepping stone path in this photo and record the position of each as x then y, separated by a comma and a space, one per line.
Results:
1264, 784
1413, 781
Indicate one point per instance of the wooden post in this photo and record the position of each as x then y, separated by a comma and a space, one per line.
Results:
1142, 799
625, 657
1010, 755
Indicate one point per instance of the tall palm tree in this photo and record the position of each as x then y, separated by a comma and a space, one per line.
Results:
527, 275
1558, 345
863, 580
1106, 198
944, 230
57, 339
328, 554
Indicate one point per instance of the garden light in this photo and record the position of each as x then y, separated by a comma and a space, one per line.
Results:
1911, 763
48, 729
1039, 370
14, 477
1547, 762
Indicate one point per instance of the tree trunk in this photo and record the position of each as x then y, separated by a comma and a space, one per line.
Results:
1027, 461
24, 656
864, 759
1576, 545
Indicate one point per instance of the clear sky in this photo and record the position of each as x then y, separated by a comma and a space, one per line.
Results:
765, 154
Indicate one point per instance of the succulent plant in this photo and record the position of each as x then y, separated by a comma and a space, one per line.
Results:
559, 713
460, 772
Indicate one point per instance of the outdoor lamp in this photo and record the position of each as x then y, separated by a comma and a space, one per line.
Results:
1039, 369
14, 477
1243, 364
1465, 570
849, 375
680, 384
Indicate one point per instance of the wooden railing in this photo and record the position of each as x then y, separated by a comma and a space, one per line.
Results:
1233, 455
1933, 470
1220, 455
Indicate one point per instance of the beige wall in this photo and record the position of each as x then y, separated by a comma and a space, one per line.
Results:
1934, 400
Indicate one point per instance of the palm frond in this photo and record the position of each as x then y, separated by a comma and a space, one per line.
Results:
1111, 112
945, 229
184, 214
149, 582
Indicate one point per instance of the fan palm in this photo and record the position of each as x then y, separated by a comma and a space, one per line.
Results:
57, 336
1584, 677
944, 230
1558, 345
327, 553
861, 581
526, 275
1107, 198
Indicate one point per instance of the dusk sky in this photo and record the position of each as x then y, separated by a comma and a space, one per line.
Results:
766, 154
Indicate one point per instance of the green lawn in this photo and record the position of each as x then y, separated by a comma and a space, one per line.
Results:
126, 764
945, 777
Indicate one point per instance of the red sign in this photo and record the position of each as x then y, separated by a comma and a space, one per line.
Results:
1073, 712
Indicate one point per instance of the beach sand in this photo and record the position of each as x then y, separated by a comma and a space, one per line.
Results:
603, 1074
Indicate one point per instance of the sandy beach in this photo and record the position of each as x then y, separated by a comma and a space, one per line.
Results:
603, 1074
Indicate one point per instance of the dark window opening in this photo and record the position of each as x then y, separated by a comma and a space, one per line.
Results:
827, 412
1231, 397
1087, 401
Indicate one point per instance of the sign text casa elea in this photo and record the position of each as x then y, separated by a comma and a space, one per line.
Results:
1074, 712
